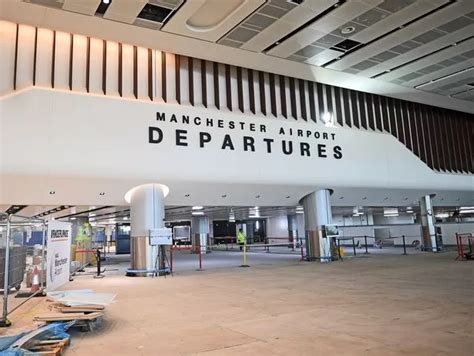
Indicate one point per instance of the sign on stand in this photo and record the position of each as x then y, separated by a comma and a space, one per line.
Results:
161, 236
58, 254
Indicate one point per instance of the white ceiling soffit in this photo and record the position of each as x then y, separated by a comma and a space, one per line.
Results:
209, 20
81, 193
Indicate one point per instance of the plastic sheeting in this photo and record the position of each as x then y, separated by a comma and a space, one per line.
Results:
20, 343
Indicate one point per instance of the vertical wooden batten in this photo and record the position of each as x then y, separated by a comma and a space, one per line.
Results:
88, 64
163, 77
150, 74
135, 72
203, 83
191, 80
15, 65
104, 67
120, 70
53, 59
71, 60
35, 55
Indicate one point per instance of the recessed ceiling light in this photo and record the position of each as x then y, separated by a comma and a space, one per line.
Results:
347, 30
197, 208
386, 198
224, 195
106, 1
197, 213
125, 218
341, 198
364, 198
257, 196
52, 192
288, 197
187, 195
102, 193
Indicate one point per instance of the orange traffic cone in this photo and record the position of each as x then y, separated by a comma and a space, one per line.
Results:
35, 284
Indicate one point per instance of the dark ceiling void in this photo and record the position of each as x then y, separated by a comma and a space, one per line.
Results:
154, 13
102, 8
51, 211
14, 209
346, 45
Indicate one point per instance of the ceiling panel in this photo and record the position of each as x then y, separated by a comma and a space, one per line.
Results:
86, 7
400, 42
287, 20
403, 43
210, 20
428, 67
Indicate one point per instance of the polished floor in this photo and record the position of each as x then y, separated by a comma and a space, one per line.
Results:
381, 304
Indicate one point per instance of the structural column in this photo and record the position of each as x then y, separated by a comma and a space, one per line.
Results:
147, 211
428, 232
292, 230
317, 213
200, 233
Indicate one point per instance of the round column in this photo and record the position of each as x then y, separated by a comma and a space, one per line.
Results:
317, 213
292, 230
147, 211
200, 229
429, 241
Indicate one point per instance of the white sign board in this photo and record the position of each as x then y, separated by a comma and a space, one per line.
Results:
58, 254
161, 236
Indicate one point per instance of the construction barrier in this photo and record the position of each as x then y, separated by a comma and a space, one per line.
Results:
461, 255
22, 259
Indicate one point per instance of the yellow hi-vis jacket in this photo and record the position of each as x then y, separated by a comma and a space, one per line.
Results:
240, 237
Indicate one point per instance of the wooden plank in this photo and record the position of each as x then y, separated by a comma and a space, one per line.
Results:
67, 316
78, 310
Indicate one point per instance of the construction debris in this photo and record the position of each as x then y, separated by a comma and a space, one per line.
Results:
81, 297
81, 309
49, 340
49, 317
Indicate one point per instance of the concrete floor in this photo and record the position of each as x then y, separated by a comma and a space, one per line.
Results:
420, 304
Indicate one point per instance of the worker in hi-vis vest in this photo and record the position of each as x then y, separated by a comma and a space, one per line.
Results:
241, 240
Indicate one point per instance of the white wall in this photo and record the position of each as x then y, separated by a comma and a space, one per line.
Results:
389, 220
449, 231
277, 227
